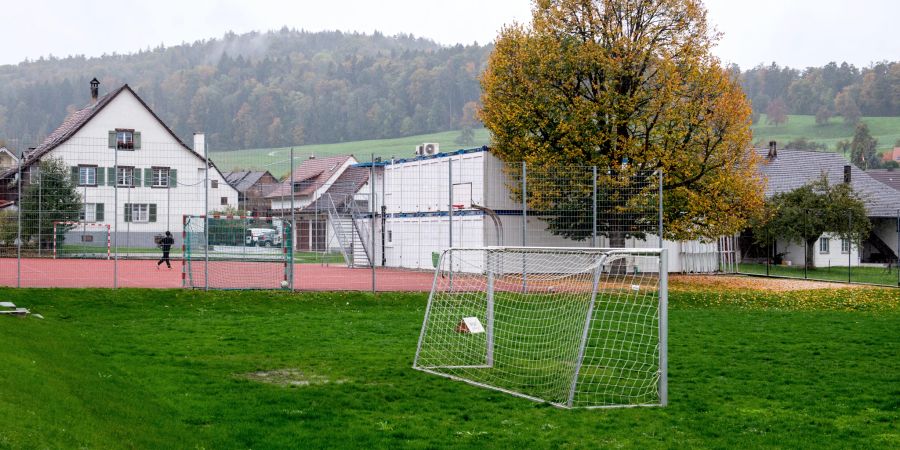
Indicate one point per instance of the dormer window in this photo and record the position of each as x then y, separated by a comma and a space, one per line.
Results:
125, 139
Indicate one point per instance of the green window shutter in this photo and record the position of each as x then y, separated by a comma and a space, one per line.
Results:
153, 212
173, 178
137, 140
112, 139
128, 212
75, 175
101, 180
110, 176
99, 212
148, 177
136, 174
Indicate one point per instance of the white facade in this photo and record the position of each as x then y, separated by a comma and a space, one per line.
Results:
417, 225
182, 194
834, 252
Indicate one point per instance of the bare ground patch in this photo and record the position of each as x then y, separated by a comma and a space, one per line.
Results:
289, 377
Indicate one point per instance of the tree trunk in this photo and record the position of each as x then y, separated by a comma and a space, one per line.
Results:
811, 253
619, 265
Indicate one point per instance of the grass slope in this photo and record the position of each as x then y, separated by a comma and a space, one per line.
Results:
277, 160
169, 369
885, 129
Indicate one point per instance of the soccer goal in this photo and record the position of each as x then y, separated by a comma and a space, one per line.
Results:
81, 240
238, 252
575, 327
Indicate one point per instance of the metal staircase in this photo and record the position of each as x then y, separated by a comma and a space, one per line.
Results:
352, 236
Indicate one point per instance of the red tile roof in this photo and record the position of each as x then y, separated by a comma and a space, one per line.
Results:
311, 174
892, 155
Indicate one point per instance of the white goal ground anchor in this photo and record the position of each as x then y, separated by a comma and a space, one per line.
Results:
574, 327
83, 225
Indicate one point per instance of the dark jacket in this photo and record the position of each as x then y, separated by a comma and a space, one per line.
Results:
166, 243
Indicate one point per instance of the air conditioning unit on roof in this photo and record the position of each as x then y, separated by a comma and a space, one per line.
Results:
428, 149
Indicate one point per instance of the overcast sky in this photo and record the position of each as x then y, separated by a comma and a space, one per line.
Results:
797, 33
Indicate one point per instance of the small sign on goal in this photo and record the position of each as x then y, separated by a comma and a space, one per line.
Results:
470, 325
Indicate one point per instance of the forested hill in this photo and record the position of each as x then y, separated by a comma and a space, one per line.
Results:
289, 87
263, 89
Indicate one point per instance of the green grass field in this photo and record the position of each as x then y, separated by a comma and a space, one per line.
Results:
870, 275
885, 129
185, 369
277, 160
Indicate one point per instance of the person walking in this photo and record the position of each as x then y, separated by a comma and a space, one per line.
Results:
165, 244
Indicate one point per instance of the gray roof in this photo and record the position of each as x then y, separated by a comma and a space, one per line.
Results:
243, 180
792, 169
888, 177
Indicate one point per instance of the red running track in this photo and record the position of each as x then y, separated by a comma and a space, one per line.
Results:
58, 273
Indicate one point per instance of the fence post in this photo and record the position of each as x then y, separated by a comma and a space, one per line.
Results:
116, 222
594, 221
19, 227
293, 239
806, 249
206, 216
372, 208
849, 248
660, 212
524, 223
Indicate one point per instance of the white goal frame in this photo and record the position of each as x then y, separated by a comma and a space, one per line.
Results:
77, 224
602, 255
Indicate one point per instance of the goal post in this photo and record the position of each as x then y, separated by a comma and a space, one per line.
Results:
240, 252
588, 329
94, 240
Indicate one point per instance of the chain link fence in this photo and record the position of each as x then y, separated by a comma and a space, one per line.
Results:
825, 254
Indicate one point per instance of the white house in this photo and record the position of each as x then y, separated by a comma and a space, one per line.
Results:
7, 159
133, 173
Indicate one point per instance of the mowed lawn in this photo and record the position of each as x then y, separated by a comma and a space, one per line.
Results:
184, 369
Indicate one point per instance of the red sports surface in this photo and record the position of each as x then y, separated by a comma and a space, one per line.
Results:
72, 273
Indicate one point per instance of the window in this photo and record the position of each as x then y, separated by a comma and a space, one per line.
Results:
91, 212
140, 212
390, 236
845, 245
214, 184
160, 177
824, 245
125, 177
87, 238
224, 200
87, 175
34, 174
125, 139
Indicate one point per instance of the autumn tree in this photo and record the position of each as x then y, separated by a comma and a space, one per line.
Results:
805, 214
467, 124
629, 86
845, 106
862, 148
822, 115
776, 112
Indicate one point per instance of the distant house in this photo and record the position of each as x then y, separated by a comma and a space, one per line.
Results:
7, 159
891, 155
252, 187
132, 172
786, 170
329, 194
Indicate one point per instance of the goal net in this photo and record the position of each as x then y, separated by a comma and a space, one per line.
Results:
81, 240
572, 327
238, 252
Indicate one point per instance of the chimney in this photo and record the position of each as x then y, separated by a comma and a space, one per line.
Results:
773, 150
95, 90
847, 174
200, 143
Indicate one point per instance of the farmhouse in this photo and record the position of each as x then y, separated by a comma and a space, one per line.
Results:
252, 187
7, 159
132, 172
786, 170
